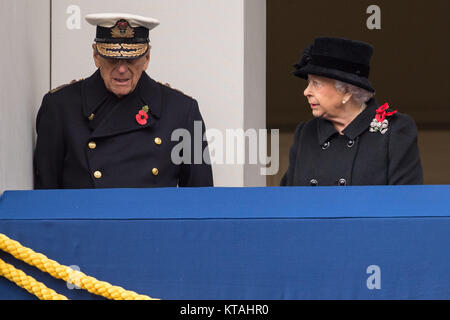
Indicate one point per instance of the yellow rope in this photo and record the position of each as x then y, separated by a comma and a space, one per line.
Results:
65, 273
28, 283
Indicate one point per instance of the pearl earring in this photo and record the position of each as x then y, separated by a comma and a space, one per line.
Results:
344, 102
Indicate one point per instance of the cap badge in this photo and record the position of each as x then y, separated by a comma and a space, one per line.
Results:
122, 29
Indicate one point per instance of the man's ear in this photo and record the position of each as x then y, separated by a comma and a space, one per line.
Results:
95, 55
147, 58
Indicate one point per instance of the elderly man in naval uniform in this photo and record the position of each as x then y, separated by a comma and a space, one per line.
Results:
113, 129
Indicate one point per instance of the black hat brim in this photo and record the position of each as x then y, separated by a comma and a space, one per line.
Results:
350, 78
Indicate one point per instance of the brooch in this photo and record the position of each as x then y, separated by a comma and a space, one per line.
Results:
142, 116
380, 123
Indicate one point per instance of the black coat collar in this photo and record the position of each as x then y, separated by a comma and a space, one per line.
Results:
362, 121
150, 93
95, 93
360, 124
123, 117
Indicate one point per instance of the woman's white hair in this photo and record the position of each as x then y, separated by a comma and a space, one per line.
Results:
360, 95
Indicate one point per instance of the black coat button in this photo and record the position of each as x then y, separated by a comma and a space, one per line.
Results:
342, 182
350, 143
326, 145
314, 182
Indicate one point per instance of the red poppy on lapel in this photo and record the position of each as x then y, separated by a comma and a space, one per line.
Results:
142, 116
380, 123
382, 113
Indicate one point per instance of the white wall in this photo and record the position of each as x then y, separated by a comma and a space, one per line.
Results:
254, 79
25, 63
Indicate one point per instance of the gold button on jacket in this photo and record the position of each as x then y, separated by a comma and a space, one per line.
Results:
92, 145
97, 174
155, 171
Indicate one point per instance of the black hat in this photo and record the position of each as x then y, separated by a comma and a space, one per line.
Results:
121, 35
337, 58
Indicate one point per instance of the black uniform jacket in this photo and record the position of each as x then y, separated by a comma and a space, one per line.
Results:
89, 138
321, 156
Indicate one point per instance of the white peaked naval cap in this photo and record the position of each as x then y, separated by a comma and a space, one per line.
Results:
109, 20
121, 35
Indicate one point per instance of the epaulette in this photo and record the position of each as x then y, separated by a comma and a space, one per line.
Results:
64, 85
169, 86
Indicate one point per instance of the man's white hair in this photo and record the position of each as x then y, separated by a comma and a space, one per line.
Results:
360, 95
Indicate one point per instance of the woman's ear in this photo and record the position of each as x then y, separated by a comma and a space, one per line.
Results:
347, 96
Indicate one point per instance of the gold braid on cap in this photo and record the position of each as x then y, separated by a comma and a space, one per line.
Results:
114, 50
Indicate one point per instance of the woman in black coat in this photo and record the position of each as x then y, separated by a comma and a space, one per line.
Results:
353, 139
